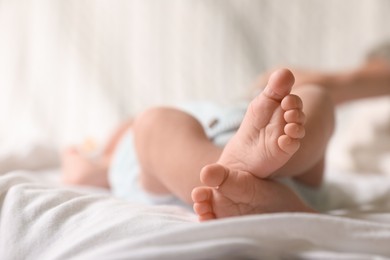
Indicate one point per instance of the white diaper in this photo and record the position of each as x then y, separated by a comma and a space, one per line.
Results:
220, 124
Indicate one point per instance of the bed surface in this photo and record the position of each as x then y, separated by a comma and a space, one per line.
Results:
44, 221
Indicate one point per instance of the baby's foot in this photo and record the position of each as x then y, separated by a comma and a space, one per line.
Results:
78, 169
270, 132
236, 193
267, 138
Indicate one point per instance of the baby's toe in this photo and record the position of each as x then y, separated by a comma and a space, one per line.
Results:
279, 85
295, 116
288, 144
200, 194
213, 175
295, 131
202, 197
202, 208
205, 217
291, 102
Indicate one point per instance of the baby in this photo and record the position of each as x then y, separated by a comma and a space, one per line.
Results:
283, 134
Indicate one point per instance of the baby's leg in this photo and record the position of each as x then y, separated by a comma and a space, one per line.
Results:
308, 162
234, 189
370, 79
172, 147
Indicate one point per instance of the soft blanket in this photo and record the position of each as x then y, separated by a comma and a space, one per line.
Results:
42, 221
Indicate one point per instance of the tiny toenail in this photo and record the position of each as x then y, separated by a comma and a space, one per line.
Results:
223, 181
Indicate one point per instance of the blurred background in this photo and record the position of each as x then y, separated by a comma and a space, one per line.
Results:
73, 69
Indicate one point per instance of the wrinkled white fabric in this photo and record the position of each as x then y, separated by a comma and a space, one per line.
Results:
39, 221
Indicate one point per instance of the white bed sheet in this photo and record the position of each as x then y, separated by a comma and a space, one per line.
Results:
45, 221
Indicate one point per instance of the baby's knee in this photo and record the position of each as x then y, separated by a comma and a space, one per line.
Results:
151, 119
165, 119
